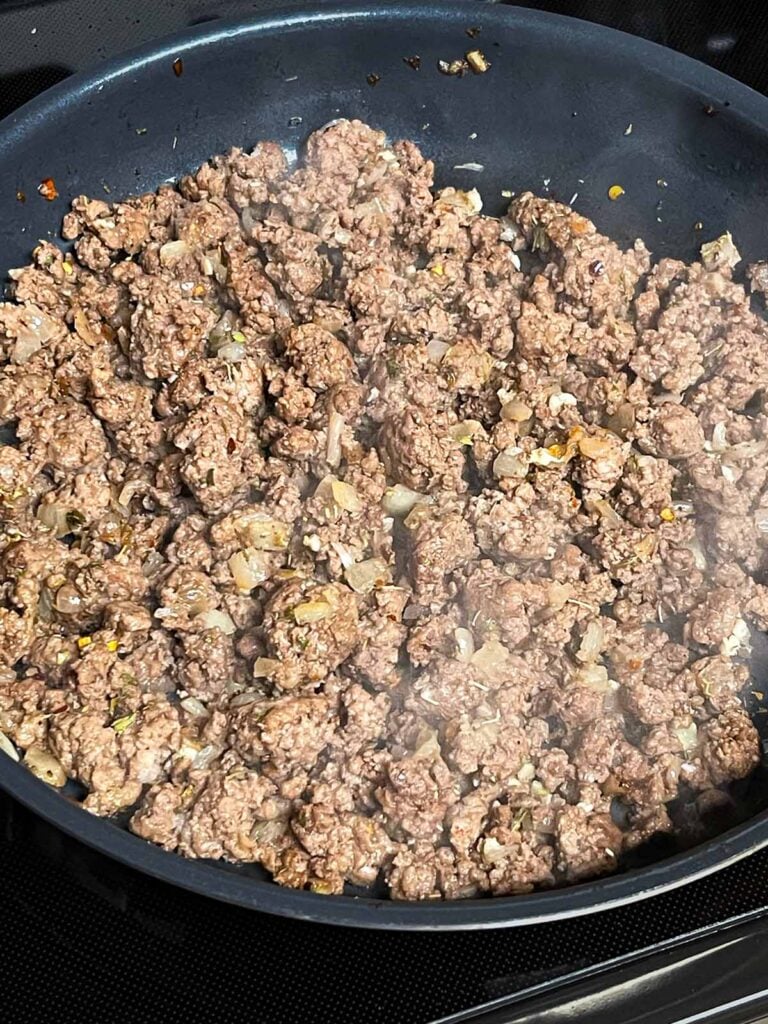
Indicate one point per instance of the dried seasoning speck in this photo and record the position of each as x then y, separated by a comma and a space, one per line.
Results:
178, 67
661, 183
473, 32
698, 226
141, 131
21, 196
628, 129
373, 79
709, 110
295, 121
413, 62
47, 189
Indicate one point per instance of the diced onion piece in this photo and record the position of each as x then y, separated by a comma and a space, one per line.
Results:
718, 442
333, 440
607, 512
206, 755
232, 352
559, 401
249, 568
345, 496
539, 790
645, 548
266, 534
221, 332
465, 431
345, 555
172, 252
45, 766
595, 447
8, 748
527, 772
595, 677
265, 667
490, 655
436, 349
688, 736
194, 707
515, 411
242, 700
469, 203
421, 510
54, 516
491, 850
699, 558
465, 644
720, 253
512, 462
364, 577
591, 642
312, 611
217, 619
761, 520
399, 500
738, 642
427, 745
545, 457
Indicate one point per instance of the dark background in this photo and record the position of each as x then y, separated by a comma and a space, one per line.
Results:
86, 940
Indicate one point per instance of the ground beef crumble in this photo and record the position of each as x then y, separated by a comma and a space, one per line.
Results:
351, 532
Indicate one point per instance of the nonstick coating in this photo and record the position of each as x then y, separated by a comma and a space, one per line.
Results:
554, 111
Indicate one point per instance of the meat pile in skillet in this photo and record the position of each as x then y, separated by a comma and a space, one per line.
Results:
351, 532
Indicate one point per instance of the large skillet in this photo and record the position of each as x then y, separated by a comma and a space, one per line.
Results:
555, 108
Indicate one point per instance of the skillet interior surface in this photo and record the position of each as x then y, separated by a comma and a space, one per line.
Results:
552, 113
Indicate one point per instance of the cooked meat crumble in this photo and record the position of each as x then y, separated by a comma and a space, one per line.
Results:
349, 531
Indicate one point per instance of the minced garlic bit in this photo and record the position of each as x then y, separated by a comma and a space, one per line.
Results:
477, 61
615, 192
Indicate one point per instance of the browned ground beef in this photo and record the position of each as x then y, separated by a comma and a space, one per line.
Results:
351, 532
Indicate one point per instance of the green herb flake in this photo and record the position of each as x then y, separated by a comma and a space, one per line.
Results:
121, 724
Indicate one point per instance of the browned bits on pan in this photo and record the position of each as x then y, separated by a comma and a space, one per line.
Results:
47, 189
373, 79
452, 67
231, 446
413, 62
597, 268
473, 32
178, 67
21, 196
477, 61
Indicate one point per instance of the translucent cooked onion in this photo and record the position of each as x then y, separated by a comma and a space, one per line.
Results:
595, 677
761, 520
34, 329
699, 558
68, 599
216, 619
265, 667
515, 411
607, 512
264, 533
512, 462
249, 568
342, 494
490, 655
312, 611
738, 642
559, 401
8, 748
54, 516
465, 644
465, 431
232, 352
436, 350
221, 333
688, 736
591, 642
171, 252
204, 757
194, 707
399, 500
333, 440
718, 442
85, 331
45, 766
363, 577
427, 745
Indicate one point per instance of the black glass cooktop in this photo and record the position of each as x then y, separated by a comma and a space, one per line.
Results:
87, 940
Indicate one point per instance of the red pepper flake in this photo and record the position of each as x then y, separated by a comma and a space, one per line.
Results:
178, 67
47, 189
231, 445
373, 79
413, 62
21, 197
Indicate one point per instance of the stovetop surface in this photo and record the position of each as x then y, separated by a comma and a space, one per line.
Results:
86, 939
